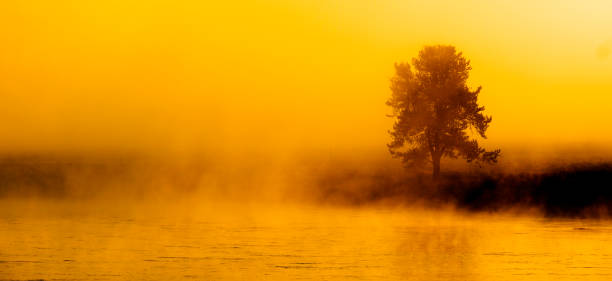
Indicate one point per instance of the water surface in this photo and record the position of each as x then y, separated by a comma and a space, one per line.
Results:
237, 242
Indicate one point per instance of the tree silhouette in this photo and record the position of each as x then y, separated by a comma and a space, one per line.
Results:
433, 109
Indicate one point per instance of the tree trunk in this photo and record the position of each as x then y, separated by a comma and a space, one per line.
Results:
436, 166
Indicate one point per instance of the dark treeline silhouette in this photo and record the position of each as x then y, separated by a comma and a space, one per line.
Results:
56, 177
576, 190
61, 176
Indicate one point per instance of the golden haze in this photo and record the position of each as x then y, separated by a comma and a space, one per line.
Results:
267, 75
249, 85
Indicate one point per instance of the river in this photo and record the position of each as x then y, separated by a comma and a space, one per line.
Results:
276, 242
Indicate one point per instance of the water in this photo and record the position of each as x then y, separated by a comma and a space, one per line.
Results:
300, 243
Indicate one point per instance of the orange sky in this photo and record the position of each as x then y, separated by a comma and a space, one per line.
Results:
193, 75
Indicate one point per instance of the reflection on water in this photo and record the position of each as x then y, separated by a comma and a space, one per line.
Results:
298, 243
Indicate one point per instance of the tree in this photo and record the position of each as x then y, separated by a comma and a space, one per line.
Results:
433, 109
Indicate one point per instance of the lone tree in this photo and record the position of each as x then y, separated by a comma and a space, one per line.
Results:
433, 109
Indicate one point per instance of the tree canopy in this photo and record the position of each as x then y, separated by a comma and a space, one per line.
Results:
434, 109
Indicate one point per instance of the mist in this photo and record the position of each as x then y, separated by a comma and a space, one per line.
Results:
254, 140
188, 78
115, 100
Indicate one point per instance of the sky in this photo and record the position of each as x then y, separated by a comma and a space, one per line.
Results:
271, 75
